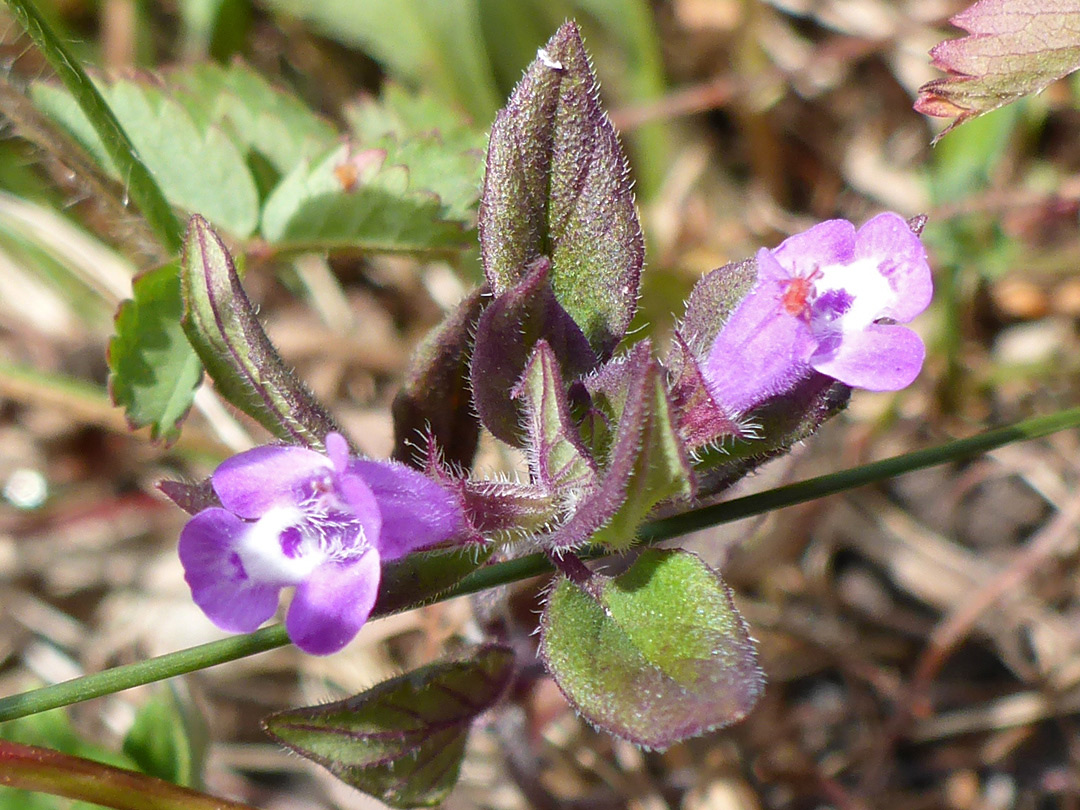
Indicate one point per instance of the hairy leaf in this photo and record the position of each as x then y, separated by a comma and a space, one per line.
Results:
403, 740
198, 166
153, 371
655, 655
352, 200
646, 465
1013, 48
220, 322
557, 458
505, 336
435, 403
557, 186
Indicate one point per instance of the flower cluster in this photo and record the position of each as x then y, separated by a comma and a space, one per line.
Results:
323, 523
826, 300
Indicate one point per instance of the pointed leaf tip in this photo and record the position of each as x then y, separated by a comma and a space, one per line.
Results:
1013, 48
557, 185
221, 325
403, 740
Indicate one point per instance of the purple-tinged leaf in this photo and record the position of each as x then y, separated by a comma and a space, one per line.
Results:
220, 322
153, 373
434, 404
557, 186
557, 458
1013, 48
712, 301
773, 428
401, 741
192, 498
701, 421
656, 655
647, 463
505, 336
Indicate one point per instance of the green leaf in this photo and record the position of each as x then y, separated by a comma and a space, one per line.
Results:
197, 165
153, 371
645, 464
434, 402
656, 655
351, 201
258, 116
220, 322
437, 43
1014, 48
557, 186
167, 739
138, 180
403, 114
557, 458
403, 740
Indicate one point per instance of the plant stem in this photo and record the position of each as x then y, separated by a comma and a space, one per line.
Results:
140, 184
41, 769
230, 649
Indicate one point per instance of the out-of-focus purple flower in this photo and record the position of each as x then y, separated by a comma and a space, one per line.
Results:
322, 523
826, 300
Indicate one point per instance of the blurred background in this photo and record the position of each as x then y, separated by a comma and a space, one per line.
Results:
921, 638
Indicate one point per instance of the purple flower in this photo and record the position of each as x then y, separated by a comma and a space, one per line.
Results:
826, 300
322, 523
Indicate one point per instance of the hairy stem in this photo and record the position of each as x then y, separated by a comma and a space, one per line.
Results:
230, 649
141, 186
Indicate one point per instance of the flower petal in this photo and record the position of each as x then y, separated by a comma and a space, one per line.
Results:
762, 350
331, 606
829, 242
878, 358
901, 258
253, 482
219, 583
416, 512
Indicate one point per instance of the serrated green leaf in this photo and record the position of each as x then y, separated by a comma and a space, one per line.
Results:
403, 114
656, 655
403, 740
318, 208
198, 166
219, 321
258, 116
153, 371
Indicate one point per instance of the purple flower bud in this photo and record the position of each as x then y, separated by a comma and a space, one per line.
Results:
826, 300
291, 516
